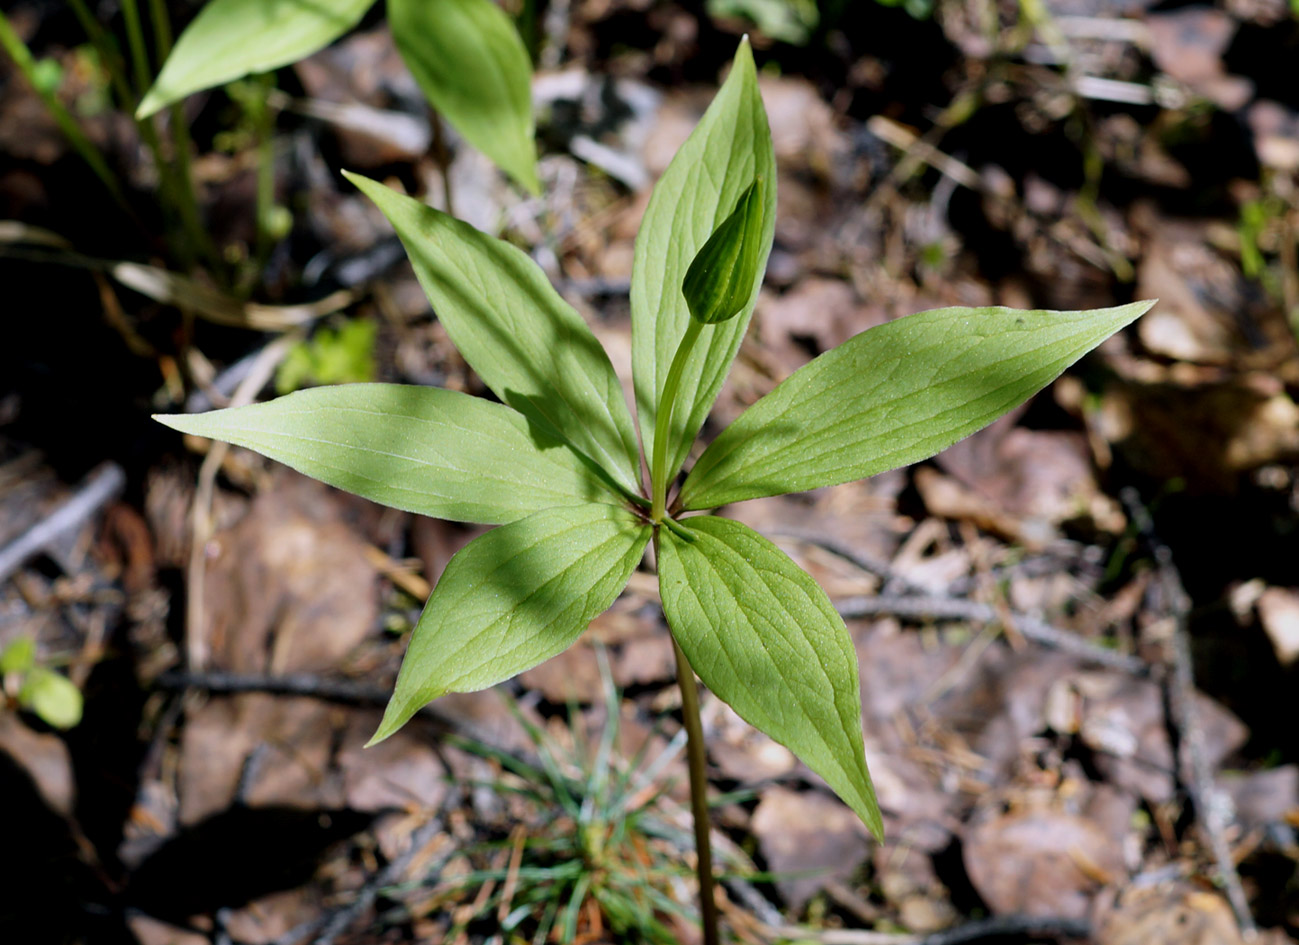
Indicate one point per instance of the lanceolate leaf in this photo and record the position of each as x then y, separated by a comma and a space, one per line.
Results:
730, 147
529, 346
468, 58
764, 637
514, 597
425, 450
893, 395
234, 38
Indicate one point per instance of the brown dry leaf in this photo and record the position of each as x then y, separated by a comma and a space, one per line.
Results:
572, 676
1205, 434
269, 919
150, 931
803, 131
290, 588
400, 772
802, 832
1264, 797
1278, 612
1023, 484
1046, 863
1276, 135
44, 757
1123, 720
816, 314
1172, 915
1188, 44
739, 750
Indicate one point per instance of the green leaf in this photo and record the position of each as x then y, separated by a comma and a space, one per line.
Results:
895, 394
763, 636
730, 147
526, 343
514, 597
425, 450
230, 39
52, 696
473, 67
722, 278
19, 656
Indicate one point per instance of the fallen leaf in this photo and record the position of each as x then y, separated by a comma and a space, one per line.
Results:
807, 833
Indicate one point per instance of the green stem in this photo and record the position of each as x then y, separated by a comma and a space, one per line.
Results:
698, 762
663, 421
135, 43
265, 171
161, 30
26, 62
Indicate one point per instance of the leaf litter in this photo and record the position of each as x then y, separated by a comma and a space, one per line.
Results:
1059, 786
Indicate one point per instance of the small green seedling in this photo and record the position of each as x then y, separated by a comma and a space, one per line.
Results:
49, 695
556, 463
466, 56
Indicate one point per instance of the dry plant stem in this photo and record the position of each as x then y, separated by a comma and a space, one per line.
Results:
102, 487
17, 50
1213, 808
696, 755
955, 608
201, 515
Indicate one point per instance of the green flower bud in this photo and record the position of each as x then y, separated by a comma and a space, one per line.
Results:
720, 280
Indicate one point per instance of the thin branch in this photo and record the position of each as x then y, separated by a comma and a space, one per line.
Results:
979, 930
955, 608
1213, 807
102, 486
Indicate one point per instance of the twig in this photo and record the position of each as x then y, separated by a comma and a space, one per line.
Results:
390, 875
102, 486
1213, 808
979, 930
259, 373
954, 608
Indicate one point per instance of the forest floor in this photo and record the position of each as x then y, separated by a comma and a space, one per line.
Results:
1078, 629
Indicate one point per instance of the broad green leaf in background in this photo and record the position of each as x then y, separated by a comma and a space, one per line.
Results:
230, 39
472, 65
425, 450
729, 148
18, 656
526, 343
514, 597
892, 395
765, 638
52, 696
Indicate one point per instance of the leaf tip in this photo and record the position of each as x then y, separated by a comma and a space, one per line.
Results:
149, 105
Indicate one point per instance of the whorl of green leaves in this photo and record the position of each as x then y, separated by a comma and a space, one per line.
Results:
556, 461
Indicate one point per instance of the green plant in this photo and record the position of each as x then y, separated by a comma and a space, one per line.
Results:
50, 695
466, 56
593, 833
342, 356
556, 464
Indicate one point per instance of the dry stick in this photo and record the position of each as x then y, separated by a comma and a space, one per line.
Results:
259, 373
101, 487
979, 930
1212, 807
916, 602
390, 875
955, 608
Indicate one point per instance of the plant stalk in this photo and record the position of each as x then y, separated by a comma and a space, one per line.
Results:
663, 421
12, 44
696, 754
